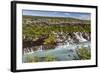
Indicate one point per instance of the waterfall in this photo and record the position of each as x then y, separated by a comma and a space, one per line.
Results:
77, 36
80, 37
69, 38
83, 39
61, 45
40, 48
68, 44
32, 49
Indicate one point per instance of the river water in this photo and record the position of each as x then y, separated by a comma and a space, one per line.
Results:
61, 53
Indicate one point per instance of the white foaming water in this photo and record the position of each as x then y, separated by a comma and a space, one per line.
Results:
40, 48
80, 37
83, 39
72, 46
64, 46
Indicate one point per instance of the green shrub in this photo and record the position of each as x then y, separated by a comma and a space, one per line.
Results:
29, 58
36, 59
50, 58
84, 53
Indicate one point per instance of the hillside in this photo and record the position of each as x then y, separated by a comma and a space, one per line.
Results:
50, 31
52, 20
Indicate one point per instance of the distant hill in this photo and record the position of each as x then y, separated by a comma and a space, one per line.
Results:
52, 20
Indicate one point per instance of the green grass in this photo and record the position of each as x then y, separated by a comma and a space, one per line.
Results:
47, 58
84, 53
34, 31
29, 58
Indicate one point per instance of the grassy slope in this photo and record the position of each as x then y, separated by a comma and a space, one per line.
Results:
59, 18
36, 30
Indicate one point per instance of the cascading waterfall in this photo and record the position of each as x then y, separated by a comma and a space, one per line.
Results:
64, 42
77, 36
63, 46
80, 37
83, 39
32, 50
68, 44
65, 49
40, 48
